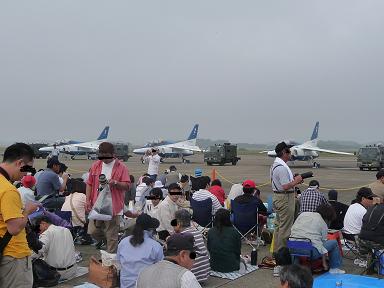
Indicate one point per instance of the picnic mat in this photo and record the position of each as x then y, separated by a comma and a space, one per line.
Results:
348, 281
235, 275
86, 285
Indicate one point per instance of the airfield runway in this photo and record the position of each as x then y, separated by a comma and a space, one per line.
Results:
339, 172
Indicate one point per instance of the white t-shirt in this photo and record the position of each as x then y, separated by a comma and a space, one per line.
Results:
353, 219
106, 169
154, 163
26, 194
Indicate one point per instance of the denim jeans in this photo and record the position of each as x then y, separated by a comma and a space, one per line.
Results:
335, 259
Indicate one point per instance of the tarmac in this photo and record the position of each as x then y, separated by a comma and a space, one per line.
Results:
336, 172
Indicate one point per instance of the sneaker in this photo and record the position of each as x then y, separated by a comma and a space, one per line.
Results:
336, 271
361, 263
276, 271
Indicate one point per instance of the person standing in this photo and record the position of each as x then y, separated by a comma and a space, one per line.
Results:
283, 184
153, 159
55, 152
15, 263
118, 178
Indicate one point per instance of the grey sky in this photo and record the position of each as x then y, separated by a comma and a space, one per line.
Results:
247, 71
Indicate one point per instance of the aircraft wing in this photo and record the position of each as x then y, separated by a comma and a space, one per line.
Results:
177, 146
88, 145
317, 149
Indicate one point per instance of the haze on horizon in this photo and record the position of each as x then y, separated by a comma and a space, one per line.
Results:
246, 71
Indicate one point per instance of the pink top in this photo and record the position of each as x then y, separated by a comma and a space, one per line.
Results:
78, 200
218, 192
120, 173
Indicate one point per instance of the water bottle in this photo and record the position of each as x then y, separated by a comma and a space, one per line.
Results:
339, 283
254, 257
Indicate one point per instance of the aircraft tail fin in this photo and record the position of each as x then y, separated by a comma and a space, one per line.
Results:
104, 134
194, 131
315, 132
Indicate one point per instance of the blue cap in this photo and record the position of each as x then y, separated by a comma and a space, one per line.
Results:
198, 172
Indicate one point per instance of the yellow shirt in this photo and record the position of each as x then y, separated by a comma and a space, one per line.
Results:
10, 208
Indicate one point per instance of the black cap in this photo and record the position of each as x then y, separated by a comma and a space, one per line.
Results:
380, 174
147, 222
281, 146
365, 192
332, 195
180, 241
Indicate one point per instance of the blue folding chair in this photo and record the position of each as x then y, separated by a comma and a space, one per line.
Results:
202, 213
245, 218
300, 247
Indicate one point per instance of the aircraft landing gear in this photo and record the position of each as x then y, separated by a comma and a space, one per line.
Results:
316, 165
185, 161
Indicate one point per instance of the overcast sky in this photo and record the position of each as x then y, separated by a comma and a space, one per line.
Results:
247, 71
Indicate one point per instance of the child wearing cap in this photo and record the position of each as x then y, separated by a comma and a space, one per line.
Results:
27, 192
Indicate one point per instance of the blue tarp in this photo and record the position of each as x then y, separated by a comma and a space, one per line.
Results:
349, 281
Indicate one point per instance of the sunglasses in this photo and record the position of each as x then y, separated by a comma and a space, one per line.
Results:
105, 157
28, 168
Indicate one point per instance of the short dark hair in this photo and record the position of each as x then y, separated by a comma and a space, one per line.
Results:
216, 182
172, 168
327, 212
222, 219
313, 183
18, 151
43, 218
78, 186
173, 186
183, 218
131, 178
147, 180
297, 276
184, 178
156, 192
202, 182
248, 190
106, 147
63, 168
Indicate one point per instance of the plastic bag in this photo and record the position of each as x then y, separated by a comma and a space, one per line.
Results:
102, 210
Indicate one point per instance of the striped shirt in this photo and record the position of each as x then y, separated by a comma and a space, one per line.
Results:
205, 194
201, 268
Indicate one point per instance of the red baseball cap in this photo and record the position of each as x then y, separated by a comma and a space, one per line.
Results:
249, 184
28, 181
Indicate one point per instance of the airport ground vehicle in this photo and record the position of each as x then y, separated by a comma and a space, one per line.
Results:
39, 154
221, 154
371, 157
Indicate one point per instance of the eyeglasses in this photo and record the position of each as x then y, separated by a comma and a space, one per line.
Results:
28, 168
370, 198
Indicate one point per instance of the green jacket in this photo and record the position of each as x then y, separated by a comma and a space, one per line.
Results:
224, 248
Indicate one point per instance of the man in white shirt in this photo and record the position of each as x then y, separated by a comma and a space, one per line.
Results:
174, 270
203, 184
142, 190
153, 203
353, 219
58, 249
153, 159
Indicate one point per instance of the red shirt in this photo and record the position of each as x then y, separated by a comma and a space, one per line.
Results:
218, 192
120, 173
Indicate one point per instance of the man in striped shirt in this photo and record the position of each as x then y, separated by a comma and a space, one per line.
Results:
203, 184
182, 224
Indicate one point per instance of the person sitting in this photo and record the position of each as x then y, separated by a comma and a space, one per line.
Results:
154, 199
174, 270
142, 190
249, 188
377, 187
340, 209
218, 191
313, 225
224, 244
182, 224
138, 251
159, 184
355, 213
312, 198
295, 276
185, 186
75, 203
58, 249
236, 190
167, 209
202, 193
372, 229
26, 191
172, 177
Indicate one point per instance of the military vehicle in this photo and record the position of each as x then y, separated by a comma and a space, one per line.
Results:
39, 154
371, 157
221, 154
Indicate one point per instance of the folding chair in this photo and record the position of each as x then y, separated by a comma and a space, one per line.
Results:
300, 247
353, 248
202, 214
245, 219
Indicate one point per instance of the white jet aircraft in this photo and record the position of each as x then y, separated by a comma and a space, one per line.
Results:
75, 148
168, 149
307, 151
